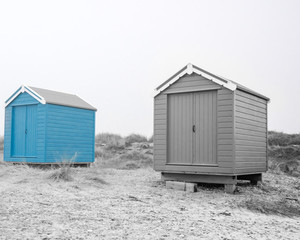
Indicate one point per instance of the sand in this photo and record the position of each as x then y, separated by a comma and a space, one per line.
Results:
125, 204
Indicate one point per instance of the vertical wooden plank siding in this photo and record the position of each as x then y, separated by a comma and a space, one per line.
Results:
250, 133
180, 123
70, 132
18, 131
205, 121
31, 131
160, 132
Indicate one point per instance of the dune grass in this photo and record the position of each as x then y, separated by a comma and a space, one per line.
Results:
283, 139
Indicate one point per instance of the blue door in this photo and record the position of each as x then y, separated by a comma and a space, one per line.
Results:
24, 131
18, 131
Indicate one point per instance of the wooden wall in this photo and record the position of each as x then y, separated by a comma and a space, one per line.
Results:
225, 150
250, 133
70, 134
25, 99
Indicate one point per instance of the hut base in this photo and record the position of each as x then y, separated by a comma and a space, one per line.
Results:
51, 165
229, 181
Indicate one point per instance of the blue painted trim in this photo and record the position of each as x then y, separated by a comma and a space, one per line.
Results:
13, 94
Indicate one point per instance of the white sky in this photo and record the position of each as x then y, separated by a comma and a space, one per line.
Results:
114, 53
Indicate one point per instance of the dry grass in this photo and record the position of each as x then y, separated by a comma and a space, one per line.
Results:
61, 173
133, 138
126, 159
283, 139
278, 194
110, 141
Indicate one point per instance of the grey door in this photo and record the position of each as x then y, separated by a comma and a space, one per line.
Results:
180, 121
192, 128
205, 120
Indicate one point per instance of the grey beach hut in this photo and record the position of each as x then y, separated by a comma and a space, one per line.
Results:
209, 129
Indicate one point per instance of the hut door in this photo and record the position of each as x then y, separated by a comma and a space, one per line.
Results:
205, 121
192, 124
180, 121
24, 131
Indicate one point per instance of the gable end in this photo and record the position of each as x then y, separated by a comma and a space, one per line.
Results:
23, 89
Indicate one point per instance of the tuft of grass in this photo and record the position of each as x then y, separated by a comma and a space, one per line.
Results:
61, 173
63, 170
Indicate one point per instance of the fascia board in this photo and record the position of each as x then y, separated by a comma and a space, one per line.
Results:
29, 91
189, 70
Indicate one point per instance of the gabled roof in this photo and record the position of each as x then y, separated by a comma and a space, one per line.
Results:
52, 97
190, 68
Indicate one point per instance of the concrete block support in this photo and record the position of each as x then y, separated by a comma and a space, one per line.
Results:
181, 186
190, 187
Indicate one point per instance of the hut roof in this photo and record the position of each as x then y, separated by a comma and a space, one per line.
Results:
52, 97
190, 68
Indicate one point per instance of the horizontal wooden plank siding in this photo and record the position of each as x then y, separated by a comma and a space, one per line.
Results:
70, 134
160, 132
250, 133
225, 153
198, 169
193, 82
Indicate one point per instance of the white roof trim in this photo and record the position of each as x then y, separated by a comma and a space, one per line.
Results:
32, 93
191, 69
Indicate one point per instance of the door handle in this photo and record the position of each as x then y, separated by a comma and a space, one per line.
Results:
25, 131
194, 128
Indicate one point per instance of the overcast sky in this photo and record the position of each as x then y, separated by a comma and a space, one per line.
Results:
114, 53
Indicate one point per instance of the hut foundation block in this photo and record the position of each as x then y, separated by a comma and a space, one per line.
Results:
181, 186
229, 188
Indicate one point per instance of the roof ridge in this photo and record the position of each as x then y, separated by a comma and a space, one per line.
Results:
52, 90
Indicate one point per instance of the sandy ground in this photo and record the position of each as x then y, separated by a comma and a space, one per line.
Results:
125, 204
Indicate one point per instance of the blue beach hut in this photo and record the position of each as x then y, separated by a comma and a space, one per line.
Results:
44, 126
